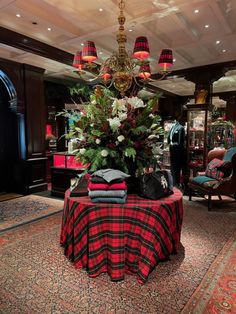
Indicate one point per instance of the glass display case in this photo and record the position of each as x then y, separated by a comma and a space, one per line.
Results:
65, 169
198, 121
65, 160
221, 134
165, 163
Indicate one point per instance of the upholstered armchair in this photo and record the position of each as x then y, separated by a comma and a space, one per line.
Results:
219, 178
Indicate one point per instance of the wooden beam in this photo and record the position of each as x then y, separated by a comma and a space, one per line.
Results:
34, 46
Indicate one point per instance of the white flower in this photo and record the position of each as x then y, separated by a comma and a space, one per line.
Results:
104, 153
118, 105
136, 102
98, 141
121, 138
151, 115
114, 123
82, 151
122, 116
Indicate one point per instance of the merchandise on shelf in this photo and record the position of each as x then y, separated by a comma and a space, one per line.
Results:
65, 160
221, 134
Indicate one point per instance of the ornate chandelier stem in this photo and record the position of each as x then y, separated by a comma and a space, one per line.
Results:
121, 36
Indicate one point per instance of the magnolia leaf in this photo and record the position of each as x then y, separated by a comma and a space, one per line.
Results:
130, 152
70, 135
140, 129
96, 132
79, 130
113, 153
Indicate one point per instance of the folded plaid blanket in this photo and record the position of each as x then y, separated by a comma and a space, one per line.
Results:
104, 186
107, 193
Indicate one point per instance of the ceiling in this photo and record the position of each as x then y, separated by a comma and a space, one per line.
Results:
166, 23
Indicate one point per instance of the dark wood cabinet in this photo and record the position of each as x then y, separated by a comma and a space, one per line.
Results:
65, 168
61, 179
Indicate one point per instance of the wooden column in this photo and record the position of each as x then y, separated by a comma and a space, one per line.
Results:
35, 165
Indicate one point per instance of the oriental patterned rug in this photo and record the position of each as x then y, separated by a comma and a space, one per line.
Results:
217, 291
25, 209
36, 277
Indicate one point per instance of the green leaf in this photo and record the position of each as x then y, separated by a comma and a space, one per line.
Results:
140, 129
130, 152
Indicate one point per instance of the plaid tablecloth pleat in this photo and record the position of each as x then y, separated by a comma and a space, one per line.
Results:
121, 238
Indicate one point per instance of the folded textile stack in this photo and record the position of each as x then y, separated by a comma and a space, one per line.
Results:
108, 186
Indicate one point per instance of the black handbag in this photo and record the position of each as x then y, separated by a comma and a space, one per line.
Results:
80, 187
156, 184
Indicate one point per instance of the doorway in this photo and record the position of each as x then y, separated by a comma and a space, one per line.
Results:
9, 153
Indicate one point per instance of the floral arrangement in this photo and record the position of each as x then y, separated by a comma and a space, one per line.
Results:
116, 133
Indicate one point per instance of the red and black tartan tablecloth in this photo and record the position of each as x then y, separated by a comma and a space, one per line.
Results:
121, 238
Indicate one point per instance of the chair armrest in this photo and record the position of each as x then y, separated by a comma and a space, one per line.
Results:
222, 181
201, 173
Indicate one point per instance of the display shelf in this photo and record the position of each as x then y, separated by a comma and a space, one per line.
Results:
65, 168
198, 121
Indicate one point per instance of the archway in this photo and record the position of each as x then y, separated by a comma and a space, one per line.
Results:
10, 138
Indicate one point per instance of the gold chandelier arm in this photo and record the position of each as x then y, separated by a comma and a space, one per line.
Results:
121, 68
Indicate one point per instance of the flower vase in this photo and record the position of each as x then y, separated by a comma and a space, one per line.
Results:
132, 181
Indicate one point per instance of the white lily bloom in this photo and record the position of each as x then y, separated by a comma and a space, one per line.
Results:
136, 102
122, 116
114, 123
118, 105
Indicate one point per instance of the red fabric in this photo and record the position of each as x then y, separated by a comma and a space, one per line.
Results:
119, 239
104, 186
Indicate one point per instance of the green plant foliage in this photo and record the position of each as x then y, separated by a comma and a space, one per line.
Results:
116, 133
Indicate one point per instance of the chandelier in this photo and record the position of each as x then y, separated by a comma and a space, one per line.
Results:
121, 69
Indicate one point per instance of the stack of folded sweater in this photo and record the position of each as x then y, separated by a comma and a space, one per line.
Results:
108, 186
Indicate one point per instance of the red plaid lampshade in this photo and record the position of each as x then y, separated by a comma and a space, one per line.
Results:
141, 48
144, 71
78, 62
89, 52
166, 58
